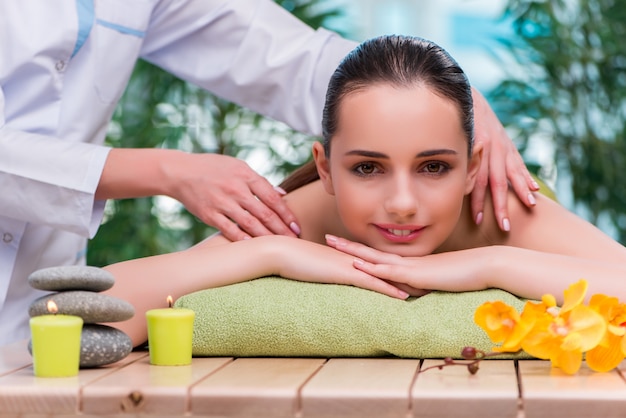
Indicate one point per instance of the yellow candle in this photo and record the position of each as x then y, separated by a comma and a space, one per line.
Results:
56, 343
170, 334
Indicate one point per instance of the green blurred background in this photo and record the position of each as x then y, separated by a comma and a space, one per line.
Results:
563, 87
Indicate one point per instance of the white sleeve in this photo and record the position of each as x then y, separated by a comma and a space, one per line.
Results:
251, 52
48, 181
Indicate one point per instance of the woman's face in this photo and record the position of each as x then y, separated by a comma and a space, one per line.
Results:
398, 168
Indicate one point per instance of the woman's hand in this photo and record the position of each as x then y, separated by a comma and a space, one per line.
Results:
454, 271
310, 262
501, 164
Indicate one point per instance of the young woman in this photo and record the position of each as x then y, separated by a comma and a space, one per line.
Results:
386, 204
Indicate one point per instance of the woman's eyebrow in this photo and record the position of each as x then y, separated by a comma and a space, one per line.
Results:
430, 153
364, 153
427, 153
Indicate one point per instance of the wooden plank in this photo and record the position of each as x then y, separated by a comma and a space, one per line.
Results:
3, 415
22, 393
548, 392
254, 387
14, 357
143, 388
360, 388
454, 391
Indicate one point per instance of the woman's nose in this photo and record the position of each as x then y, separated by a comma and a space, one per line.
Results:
401, 198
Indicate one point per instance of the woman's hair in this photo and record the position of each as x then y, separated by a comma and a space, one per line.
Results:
402, 61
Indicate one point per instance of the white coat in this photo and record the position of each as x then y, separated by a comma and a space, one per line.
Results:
63, 67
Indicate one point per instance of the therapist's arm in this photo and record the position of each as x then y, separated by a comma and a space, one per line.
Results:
47, 181
222, 191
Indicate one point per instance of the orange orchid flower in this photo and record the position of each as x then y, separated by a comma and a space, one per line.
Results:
499, 321
546, 331
563, 335
610, 352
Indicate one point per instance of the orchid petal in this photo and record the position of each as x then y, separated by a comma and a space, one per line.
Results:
571, 342
497, 319
605, 358
618, 330
589, 324
574, 295
568, 361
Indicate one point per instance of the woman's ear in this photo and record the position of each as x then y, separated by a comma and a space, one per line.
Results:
473, 167
323, 167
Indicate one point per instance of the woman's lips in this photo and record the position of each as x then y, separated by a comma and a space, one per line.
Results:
396, 233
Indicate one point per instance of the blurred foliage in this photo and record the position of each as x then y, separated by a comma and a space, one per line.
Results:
158, 110
572, 90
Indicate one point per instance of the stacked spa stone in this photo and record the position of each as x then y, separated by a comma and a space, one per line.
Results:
77, 292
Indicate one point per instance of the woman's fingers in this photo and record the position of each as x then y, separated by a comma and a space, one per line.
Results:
359, 250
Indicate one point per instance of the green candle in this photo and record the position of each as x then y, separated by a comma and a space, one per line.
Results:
56, 343
170, 334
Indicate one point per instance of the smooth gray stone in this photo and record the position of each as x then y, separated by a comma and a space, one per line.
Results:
91, 306
61, 278
100, 345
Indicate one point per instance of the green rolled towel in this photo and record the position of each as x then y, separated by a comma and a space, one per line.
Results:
276, 317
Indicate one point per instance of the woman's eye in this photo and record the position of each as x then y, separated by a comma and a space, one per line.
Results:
435, 168
365, 168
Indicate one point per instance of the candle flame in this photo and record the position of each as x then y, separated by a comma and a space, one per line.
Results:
52, 307
170, 301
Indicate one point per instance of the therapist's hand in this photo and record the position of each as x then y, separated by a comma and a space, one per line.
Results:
226, 193
501, 164
221, 191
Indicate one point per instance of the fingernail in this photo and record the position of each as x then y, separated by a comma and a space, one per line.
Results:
403, 294
531, 199
247, 237
479, 218
295, 228
535, 185
506, 225
331, 239
280, 190
358, 262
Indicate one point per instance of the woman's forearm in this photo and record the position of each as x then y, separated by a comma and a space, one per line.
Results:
525, 273
531, 274
147, 282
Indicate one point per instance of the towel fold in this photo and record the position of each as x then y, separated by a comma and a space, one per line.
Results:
276, 317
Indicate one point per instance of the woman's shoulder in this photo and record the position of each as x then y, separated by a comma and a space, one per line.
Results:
314, 209
521, 219
316, 212
550, 227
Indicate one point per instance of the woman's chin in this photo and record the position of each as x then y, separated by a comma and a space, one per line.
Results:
404, 250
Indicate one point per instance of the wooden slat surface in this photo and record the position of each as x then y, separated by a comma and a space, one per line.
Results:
143, 388
308, 388
548, 392
360, 387
22, 392
453, 391
13, 357
254, 387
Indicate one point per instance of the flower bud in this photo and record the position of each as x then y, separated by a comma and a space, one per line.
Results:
468, 353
